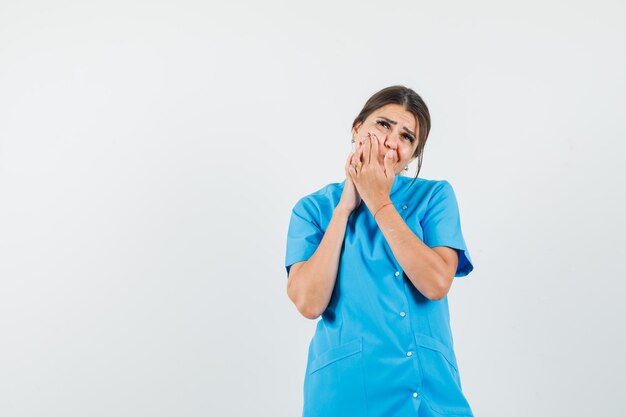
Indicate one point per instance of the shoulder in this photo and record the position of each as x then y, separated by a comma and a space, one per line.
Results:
438, 187
328, 191
438, 184
322, 199
425, 195
423, 188
441, 192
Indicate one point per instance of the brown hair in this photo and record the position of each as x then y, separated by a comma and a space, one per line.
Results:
412, 102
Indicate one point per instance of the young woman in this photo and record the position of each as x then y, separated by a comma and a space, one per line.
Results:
375, 256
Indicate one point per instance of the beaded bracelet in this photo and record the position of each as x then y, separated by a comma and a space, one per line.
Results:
380, 209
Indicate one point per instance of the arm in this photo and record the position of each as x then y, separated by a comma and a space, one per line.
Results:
310, 284
430, 270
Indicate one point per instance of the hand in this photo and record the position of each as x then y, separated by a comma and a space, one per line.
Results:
372, 180
350, 198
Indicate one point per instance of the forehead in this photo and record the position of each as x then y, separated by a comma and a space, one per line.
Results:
396, 112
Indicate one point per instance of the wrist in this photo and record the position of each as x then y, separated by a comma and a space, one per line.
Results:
342, 212
381, 207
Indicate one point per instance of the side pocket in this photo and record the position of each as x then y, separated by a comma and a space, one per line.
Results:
347, 349
334, 384
441, 387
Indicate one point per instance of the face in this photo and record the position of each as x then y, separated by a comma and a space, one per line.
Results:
396, 130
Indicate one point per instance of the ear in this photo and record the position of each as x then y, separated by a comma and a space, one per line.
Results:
355, 129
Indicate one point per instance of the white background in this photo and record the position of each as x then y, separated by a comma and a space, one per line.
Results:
151, 153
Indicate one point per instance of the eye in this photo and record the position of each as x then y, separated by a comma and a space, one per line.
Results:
409, 137
383, 123
386, 126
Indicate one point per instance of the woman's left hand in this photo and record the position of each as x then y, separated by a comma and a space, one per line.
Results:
372, 180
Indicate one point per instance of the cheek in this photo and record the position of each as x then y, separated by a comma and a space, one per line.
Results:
411, 151
375, 128
405, 153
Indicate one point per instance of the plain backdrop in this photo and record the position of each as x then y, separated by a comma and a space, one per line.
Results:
151, 153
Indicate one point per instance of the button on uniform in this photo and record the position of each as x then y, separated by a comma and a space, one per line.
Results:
397, 273
415, 395
402, 314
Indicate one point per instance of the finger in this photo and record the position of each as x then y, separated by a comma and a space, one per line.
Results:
375, 148
348, 162
389, 160
353, 159
352, 174
357, 154
367, 150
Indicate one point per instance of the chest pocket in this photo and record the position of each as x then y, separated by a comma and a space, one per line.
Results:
334, 383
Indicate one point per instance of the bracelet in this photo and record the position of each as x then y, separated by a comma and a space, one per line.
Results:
380, 209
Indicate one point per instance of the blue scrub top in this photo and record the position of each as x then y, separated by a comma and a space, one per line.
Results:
381, 348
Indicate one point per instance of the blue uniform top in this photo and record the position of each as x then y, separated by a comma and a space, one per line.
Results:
381, 348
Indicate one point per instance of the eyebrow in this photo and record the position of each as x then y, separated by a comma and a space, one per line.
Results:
393, 122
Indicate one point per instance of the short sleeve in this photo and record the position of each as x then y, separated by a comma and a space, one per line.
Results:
442, 225
304, 234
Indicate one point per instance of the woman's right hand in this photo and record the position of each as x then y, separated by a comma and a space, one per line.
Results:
350, 198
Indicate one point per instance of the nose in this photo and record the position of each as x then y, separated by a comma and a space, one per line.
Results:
391, 140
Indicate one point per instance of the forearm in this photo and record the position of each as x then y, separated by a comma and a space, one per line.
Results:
422, 265
312, 285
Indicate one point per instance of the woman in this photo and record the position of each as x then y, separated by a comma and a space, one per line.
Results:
378, 274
